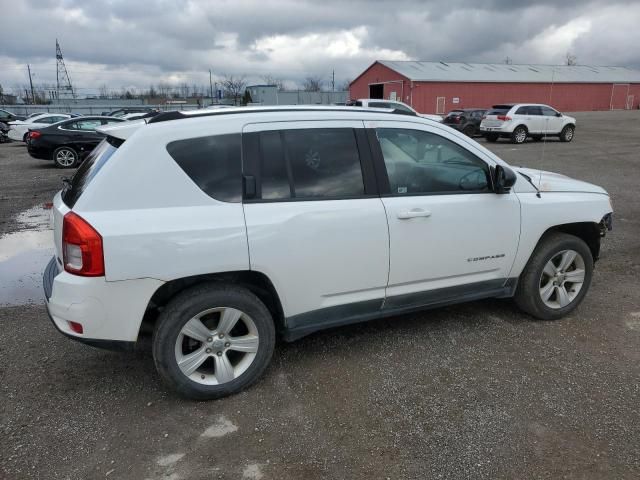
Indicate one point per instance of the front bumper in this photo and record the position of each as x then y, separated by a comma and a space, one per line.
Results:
109, 312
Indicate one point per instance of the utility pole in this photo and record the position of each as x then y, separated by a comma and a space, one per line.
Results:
33, 98
333, 80
211, 86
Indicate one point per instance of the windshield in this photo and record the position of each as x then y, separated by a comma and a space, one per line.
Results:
89, 169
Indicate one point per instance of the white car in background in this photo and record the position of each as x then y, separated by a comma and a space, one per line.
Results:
518, 121
19, 129
394, 105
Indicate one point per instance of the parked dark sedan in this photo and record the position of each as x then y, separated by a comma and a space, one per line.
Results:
466, 120
69, 141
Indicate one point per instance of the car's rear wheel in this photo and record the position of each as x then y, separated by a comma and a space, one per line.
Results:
25, 137
469, 130
556, 278
65, 157
567, 133
491, 137
212, 341
519, 134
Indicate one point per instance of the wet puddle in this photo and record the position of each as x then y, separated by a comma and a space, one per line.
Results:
23, 257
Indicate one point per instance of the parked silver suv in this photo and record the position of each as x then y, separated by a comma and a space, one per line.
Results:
518, 121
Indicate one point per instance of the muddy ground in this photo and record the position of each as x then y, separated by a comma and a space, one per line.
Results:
472, 391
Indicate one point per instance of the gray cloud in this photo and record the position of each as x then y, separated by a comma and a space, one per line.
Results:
136, 43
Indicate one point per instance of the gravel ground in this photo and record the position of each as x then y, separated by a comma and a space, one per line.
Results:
472, 391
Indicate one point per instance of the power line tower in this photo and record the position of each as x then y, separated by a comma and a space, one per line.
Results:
63, 82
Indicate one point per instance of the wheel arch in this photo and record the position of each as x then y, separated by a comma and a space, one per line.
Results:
256, 282
589, 232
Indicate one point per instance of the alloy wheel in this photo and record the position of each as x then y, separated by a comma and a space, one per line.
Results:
65, 157
217, 345
521, 135
562, 279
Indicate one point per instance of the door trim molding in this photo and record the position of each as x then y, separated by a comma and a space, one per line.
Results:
298, 326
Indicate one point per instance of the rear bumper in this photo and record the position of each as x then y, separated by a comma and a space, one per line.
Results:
40, 153
494, 130
110, 312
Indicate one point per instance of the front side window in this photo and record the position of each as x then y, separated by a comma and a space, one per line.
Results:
213, 163
315, 163
419, 162
548, 112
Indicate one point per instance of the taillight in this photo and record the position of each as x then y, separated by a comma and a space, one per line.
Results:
504, 118
81, 247
35, 134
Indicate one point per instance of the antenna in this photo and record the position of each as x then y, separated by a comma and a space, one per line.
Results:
63, 82
544, 138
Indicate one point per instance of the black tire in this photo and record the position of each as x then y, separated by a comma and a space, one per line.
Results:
567, 133
536, 138
491, 137
469, 130
187, 304
25, 136
528, 296
519, 134
65, 152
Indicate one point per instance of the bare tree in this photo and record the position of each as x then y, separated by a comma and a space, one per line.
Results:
271, 80
103, 91
312, 83
344, 86
233, 86
164, 90
571, 59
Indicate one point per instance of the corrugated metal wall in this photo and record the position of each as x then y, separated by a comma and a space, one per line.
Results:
423, 96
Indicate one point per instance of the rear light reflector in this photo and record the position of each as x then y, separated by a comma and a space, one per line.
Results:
81, 247
75, 327
504, 118
35, 134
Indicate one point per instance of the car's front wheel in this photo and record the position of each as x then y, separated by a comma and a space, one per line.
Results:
556, 278
212, 341
567, 133
65, 157
469, 130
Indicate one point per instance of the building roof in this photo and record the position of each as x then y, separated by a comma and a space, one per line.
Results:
500, 72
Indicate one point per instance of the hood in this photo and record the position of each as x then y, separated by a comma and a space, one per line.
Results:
556, 182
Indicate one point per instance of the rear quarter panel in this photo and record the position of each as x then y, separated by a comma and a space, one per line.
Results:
155, 222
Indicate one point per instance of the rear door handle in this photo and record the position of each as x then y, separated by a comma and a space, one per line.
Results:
413, 213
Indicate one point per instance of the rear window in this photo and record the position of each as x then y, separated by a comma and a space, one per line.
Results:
455, 113
89, 169
499, 109
213, 163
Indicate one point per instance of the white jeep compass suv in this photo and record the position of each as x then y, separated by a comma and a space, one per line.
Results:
220, 230
521, 120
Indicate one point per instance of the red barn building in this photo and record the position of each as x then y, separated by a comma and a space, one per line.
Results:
438, 87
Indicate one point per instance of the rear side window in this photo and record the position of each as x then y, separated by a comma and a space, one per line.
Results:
310, 164
89, 169
213, 163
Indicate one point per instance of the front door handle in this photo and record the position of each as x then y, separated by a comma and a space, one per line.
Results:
413, 213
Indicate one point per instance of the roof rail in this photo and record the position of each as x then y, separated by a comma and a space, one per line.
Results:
177, 115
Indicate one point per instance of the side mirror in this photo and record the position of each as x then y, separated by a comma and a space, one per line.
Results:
558, 114
503, 179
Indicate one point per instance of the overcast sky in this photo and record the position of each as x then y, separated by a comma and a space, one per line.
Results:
125, 43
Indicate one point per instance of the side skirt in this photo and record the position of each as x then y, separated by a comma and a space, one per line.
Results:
298, 326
